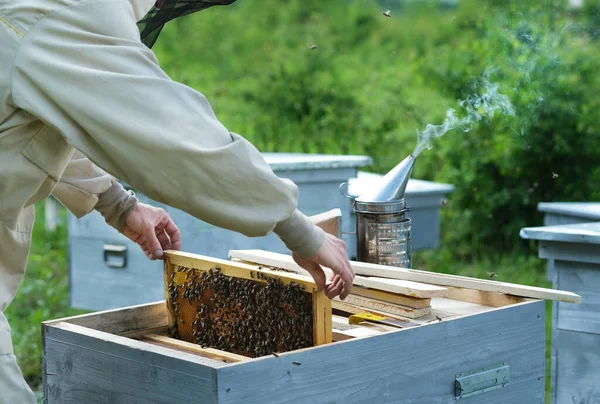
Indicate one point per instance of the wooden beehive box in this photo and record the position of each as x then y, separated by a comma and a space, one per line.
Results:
478, 346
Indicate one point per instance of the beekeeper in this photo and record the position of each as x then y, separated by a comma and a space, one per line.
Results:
83, 101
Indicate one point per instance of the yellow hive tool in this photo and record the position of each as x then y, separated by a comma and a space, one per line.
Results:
373, 318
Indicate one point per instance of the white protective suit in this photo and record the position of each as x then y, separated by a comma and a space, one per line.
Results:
79, 91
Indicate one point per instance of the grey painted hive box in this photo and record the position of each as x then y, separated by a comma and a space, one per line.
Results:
556, 213
569, 212
109, 271
574, 252
475, 353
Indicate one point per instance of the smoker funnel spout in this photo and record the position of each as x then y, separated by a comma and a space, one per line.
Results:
393, 185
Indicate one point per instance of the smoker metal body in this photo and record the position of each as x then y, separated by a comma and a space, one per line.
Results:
383, 233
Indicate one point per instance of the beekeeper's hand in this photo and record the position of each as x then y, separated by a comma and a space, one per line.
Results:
332, 254
153, 230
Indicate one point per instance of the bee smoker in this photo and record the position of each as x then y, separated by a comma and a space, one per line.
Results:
382, 228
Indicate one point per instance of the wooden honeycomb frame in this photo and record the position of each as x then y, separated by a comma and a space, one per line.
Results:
321, 304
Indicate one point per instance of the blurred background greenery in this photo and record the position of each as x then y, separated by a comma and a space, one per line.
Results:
340, 77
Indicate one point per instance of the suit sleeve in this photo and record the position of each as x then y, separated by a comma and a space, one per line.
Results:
84, 70
85, 187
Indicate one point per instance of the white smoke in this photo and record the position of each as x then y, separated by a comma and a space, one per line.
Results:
476, 107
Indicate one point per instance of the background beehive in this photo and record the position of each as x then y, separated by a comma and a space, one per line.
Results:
243, 309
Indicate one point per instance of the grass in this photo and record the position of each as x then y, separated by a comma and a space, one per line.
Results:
44, 292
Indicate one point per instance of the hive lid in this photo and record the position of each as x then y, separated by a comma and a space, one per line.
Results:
587, 233
303, 161
583, 210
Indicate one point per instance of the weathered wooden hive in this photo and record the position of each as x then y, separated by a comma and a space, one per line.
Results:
214, 339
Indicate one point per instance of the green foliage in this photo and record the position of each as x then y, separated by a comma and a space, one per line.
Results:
373, 81
550, 151
353, 94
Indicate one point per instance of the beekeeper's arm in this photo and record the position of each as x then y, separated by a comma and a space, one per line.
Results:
84, 187
84, 70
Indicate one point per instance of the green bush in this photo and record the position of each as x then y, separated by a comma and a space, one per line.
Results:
353, 94
373, 81
550, 151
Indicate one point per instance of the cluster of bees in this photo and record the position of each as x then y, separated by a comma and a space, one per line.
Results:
252, 317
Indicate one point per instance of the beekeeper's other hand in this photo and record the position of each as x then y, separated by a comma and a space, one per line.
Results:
331, 254
153, 230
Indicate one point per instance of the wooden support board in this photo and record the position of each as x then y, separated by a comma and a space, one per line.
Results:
407, 288
330, 222
216, 354
348, 308
404, 274
386, 307
413, 302
343, 331
321, 305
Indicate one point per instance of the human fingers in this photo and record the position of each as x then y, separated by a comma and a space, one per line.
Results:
332, 290
174, 234
314, 270
164, 240
347, 275
152, 242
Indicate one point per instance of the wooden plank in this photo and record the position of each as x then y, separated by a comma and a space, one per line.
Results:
82, 365
492, 299
344, 330
390, 297
414, 364
375, 270
318, 320
169, 268
385, 307
236, 269
578, 369
349, 308
124, 321
188, 346
414, 302
140, 333
584, 279
330, 222
407, 288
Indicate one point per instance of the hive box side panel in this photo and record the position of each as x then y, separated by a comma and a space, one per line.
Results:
97, 286
102, 368
414, 365
578, 368
576, 252
583, 279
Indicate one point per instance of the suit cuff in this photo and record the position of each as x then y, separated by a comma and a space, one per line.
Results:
300, 234
115, 204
